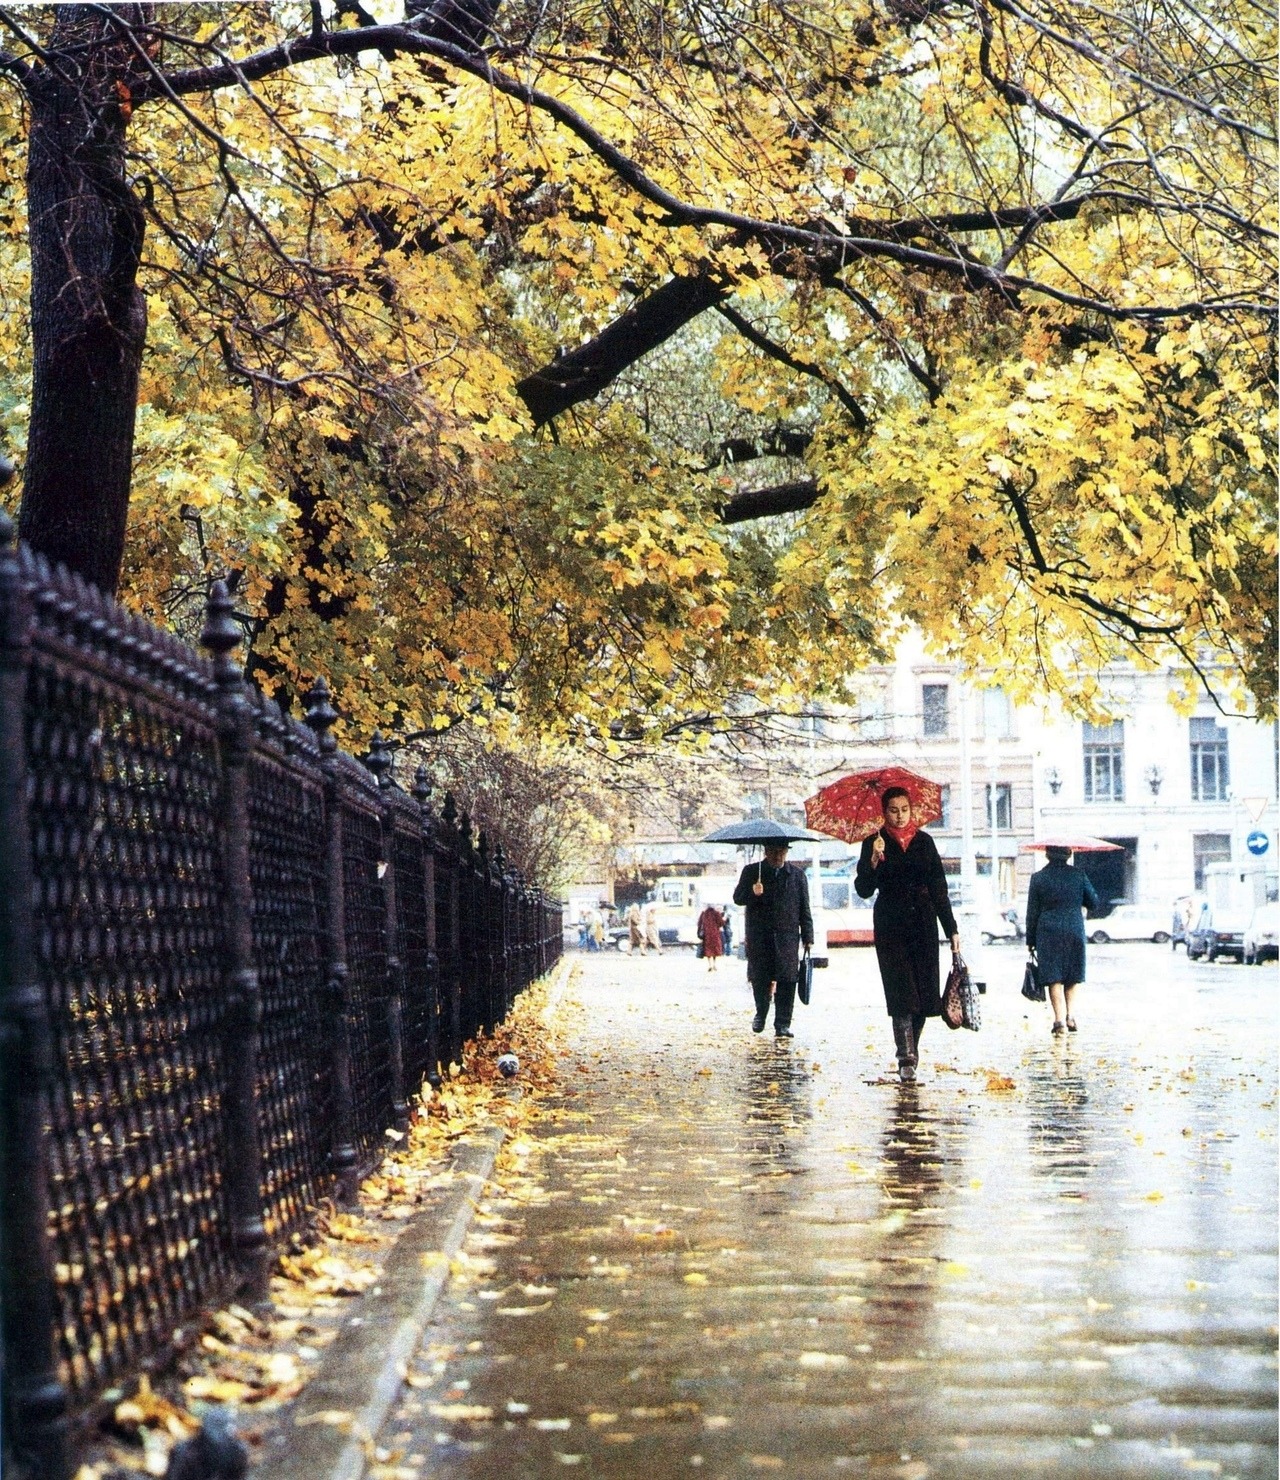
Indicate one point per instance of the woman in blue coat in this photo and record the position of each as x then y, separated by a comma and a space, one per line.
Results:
1055, 931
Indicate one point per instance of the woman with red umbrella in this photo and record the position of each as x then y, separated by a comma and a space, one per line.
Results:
899, 863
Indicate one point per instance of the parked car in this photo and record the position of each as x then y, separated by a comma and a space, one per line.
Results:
1217, 932
1262, 937
994, 925
1129, 922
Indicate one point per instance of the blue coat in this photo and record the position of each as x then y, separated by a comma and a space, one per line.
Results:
1055, 926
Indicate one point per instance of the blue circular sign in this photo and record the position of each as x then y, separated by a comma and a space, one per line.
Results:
1257, 842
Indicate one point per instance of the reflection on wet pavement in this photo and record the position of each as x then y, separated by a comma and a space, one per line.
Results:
723, 1254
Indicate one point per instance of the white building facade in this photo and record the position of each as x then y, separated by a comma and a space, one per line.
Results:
1179, 793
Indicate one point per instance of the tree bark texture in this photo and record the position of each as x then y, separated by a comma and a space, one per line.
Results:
761, 503
587, 370
88, 317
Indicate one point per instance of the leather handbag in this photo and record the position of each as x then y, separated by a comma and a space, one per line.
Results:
959, 1000
1032, 988
804, 982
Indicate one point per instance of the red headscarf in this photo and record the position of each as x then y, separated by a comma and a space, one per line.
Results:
902, 835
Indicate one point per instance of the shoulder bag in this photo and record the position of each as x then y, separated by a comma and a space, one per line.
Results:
959, 1000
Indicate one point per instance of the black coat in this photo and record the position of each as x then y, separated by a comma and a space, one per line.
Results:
1055, 924
777, 921
912, 899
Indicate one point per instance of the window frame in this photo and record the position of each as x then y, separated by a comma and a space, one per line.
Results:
1209, 754
927, 719
1003, 793
1102, 748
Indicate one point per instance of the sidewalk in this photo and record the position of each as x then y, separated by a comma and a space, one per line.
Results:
729, 1255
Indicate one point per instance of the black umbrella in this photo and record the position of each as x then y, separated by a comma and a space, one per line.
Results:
763, 831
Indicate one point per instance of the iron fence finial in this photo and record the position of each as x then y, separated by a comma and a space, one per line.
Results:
320, 714
221, 633
422, 787
380, 760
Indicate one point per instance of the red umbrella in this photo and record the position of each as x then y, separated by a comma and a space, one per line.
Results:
1081, 843
850, 808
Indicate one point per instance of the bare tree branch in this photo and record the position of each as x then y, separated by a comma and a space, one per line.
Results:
587, 370
827, 244
778, 441
1113, 64
802, 367
763, 503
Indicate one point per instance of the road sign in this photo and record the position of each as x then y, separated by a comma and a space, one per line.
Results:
1255, 807
1257, 842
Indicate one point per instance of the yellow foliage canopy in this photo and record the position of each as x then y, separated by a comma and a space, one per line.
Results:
1028, 341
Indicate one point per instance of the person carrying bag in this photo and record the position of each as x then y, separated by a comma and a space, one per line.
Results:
1032, 989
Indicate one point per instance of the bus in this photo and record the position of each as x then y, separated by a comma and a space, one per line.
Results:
847, 917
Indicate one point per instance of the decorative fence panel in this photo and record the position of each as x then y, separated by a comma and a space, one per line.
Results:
229, 955
123, 786
286, 859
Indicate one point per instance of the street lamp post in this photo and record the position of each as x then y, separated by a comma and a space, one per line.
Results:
968, 865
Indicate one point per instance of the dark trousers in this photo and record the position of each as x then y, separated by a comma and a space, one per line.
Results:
784, 1001
906, 1036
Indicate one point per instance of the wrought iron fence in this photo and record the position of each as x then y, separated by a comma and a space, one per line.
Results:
229, 954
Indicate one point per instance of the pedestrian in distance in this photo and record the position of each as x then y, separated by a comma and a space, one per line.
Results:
1055, 931
711, 923
635, 930
900, 865
775, 896
652, 934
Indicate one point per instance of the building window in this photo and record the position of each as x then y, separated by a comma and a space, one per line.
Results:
1209, 774
1004, 806
997, 715
936, 719
944, 798
1209, 848
1104, 762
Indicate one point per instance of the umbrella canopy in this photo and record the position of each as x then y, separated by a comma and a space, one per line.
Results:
763, 830
850, 808
1080, 843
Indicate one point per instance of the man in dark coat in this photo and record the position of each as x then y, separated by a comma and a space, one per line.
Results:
775, 896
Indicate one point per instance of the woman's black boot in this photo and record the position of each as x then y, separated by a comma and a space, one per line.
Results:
904, 1040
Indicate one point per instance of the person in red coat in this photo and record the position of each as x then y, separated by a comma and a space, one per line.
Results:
710, 933
901, 866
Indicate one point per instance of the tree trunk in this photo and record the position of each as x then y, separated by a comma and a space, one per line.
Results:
88, 317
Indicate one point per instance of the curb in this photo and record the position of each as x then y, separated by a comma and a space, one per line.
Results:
363, 1370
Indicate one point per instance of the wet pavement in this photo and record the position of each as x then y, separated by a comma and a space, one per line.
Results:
722, 1254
